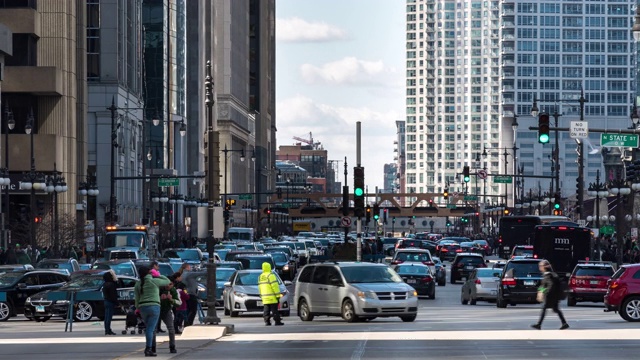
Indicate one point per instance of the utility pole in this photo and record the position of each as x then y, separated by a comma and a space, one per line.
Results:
358, 219
114, 145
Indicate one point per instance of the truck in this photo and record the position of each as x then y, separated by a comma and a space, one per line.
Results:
236, 234
519, 230
128, 242
562, 245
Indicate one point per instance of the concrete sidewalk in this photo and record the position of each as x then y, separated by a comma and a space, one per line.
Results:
192, 338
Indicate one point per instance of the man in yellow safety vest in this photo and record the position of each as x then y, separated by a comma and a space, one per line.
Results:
270, 294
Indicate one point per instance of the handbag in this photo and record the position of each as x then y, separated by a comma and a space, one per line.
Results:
540, 296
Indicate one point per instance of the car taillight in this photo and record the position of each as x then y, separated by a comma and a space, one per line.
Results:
444, 250
459, 250
478, 281
396, 262
614, 285
573, 281
426, 279
428, 263
535, 256
508, 282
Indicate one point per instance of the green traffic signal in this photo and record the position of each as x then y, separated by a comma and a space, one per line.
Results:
544, 138
556, 206
358, 192
376, 217
467, 179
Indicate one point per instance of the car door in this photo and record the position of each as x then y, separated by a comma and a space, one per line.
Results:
319, 290
28, 285
335, 289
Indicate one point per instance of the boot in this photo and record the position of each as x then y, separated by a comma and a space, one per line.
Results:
149, 352
172, 349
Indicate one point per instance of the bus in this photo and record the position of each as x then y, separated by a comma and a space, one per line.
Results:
128, 242
519, 230
562, 245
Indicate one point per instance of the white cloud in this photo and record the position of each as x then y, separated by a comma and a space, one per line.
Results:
350, 71
298, 30
335, 128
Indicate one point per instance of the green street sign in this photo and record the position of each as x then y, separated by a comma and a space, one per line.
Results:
607, 230
169, 182
452, 206
502, 179
470, 198
245, 197
621, 140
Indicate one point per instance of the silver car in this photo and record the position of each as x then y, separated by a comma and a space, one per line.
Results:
241, 294
354, 291
482, 284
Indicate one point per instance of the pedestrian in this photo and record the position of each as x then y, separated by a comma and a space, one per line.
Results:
181, 310
189, 279
168, 299
110, 296
155, 266
22, 257
550, 294
270, 294
11, 257
147, 302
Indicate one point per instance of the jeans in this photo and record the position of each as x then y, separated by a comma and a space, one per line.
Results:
150, 315
109, 309
271, 310
167, 319
556, 309
192, 308
178, 322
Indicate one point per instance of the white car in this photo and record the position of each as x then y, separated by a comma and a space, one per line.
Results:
241, 294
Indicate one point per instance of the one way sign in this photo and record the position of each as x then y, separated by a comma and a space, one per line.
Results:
579, 130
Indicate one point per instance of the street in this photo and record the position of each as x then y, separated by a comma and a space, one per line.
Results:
444, 329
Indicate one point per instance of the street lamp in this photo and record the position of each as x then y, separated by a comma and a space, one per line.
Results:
598, 190
56, 184
10, 123
90, 188
619, 189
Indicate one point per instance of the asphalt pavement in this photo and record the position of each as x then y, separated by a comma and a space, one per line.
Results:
444, 329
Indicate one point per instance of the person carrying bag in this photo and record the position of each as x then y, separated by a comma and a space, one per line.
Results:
549, 294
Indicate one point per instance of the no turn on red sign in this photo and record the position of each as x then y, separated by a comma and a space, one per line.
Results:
345, 221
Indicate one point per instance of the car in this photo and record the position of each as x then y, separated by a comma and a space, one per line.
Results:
230, 264
192, 256
623, 292
482, 284
285, 249
410, 255
463, 264
588, 282
247, 246
447, 249
353, 290
419, 277
389, 245
164, 265
484, 244
17, 286
255, 261
311, 247
223, 274
519, 282
15, 267
285, 267
498, 264
70, 265
302, 250
414, 243
54, 303
522, 251
231, 255
441, 271
120, 267
241, 294
469, 247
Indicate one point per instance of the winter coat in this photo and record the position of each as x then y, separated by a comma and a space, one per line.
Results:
268, 285
109, 289
552, 289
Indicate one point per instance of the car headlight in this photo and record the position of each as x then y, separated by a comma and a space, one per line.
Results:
412, 293
28, 301
285, 268
239, 294
62, 302
201, 288
367, 295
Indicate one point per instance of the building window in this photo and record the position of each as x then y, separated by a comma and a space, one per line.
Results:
24, 51
93, 40
18, 4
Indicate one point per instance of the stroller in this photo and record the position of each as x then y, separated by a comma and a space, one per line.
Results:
133, 321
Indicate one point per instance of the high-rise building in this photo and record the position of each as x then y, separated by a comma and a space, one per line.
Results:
473, 65
390, 173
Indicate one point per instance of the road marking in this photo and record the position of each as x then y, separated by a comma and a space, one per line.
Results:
480, 335
359, 350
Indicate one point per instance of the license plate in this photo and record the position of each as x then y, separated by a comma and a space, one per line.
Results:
494, 292
595, 282
411, 281
259, 303
469, 267
39, 308
529, 282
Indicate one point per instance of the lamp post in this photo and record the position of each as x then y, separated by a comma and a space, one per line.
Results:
598, 190
514, 126
506, 163
56, 184
10, 123
90, 188
619, 188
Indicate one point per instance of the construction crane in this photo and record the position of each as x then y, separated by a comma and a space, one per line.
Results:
315, 145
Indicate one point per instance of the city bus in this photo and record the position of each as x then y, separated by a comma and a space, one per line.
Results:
519, 230
128, 242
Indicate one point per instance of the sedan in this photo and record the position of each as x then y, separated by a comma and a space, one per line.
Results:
223, 274
482, 284
419, 277
241, 294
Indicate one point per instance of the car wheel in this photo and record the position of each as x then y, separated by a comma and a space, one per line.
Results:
5, 311
349, 312
501, 303
303, 311
571, 301
41, 318
408, 318
630, 309
462, 299
472, 301
432, 295
84, 311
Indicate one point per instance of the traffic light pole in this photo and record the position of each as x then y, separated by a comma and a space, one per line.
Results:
358, 219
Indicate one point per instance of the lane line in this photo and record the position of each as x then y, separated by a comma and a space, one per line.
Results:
362, 344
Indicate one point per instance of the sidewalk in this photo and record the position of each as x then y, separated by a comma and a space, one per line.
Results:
192, 338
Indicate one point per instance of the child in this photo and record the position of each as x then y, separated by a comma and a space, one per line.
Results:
181, 311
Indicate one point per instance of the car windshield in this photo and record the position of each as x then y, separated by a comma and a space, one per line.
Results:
255, 262
9, 278
187, 254
481, 242
412, 256
370, 274
471, 260
279, 257
248, 278
467, 244
522, 252
52, 265
224, 274
408, 269
522, 269
594, 271
120, 269
300, 246
85, 282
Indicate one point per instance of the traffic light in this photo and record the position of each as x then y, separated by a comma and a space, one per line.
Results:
543, 128
448, 222
368, 214
465, 173
269, 216
393, 219
37, 219
384, 215
430, 202
556, 202
631, 172
445, 193
579, 184
376, 212
358, 191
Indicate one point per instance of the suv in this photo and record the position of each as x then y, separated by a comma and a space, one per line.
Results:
463, 264
255, 261
68, 265
623, 292
421, 256
353, 290
18, 286
519, 282
522, 251
588, 282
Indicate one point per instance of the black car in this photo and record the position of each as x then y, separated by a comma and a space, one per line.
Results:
255, 261
285, 267
463, 264
231, 255
17, 286
519, 282
441, 272
447, 249
88, 288
419, 277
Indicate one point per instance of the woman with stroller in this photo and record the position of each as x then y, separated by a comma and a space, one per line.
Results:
147, 300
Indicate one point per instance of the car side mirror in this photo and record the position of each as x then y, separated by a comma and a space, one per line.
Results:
288, 283
227, 284
335, 282
22, 286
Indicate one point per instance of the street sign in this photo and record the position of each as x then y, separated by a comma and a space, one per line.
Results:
168, 182
607, 230
482, 174
451, 206
579, 130
502, 179
470, 198
619, 140
245, 197
345, 221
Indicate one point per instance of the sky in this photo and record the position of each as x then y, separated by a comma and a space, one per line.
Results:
339, 62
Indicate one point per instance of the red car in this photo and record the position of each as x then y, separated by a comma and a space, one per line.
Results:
588, 282
623, 292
